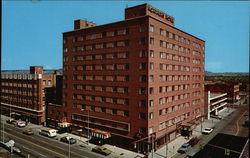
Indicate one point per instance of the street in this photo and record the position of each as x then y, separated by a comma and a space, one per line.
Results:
40, 146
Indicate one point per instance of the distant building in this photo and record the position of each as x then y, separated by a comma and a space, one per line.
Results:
133, 78
24, 93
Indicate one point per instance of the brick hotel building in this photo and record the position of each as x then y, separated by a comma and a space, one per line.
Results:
134, 77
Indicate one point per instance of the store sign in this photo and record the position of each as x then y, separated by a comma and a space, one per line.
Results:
161, 14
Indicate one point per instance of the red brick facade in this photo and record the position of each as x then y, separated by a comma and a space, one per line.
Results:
24, 94
137, 76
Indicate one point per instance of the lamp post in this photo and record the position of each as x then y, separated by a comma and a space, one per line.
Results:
88, 125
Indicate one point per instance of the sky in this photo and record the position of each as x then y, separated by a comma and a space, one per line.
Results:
32, 30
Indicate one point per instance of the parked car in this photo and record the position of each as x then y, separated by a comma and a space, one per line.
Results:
207, 130
191, 154
101, 150
11, 121
20, 124
193, 141
28, 132
184, 148
48, 133
68, 140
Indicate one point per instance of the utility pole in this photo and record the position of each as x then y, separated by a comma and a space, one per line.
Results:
166, 145
69, 144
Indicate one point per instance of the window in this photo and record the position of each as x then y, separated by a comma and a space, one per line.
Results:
151, 90
142, 66
143, 78
151, 40
126, 113
49, 82
151, 28
142, 90
142, 41
142, 103
151, 78
142, 116
151, 66
44, 82
142, 54
151, 103
151, 115
151, 53
65, 50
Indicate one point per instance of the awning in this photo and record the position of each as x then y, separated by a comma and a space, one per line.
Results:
64, 124
100, 134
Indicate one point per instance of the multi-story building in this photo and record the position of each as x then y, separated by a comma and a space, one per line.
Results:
24, 93
132, 78
232, 89
214, 103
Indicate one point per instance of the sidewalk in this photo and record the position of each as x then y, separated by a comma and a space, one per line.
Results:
82, 141
174, 145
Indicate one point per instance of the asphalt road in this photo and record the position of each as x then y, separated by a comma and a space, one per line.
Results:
232, 125
43, 147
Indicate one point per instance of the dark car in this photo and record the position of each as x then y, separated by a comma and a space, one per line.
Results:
193, 141
101, 150
184, 148
68, 140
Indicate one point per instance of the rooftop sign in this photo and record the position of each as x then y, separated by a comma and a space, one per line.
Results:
160, 14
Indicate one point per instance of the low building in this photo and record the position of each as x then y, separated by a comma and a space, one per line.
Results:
224, 146
24, 93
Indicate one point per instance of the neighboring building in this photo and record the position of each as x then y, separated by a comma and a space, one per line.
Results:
225, 146
24, 93
231, 89
214, 102
135, 77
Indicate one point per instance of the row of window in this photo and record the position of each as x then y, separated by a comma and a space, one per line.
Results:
101, 109
19, 93
170, 67
166, 100
97, 46
101, 88
29, 97
114, 55
118, 78
177, 119
163, 89
104, 99
176, 37
94, 36
24, 85
122, 66
169, 56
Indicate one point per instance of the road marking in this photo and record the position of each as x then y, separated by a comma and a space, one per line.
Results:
238, 123
37, 145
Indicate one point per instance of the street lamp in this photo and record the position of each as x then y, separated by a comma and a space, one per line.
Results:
88, 125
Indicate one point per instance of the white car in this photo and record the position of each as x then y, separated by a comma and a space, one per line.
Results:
207, 130
20, 124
